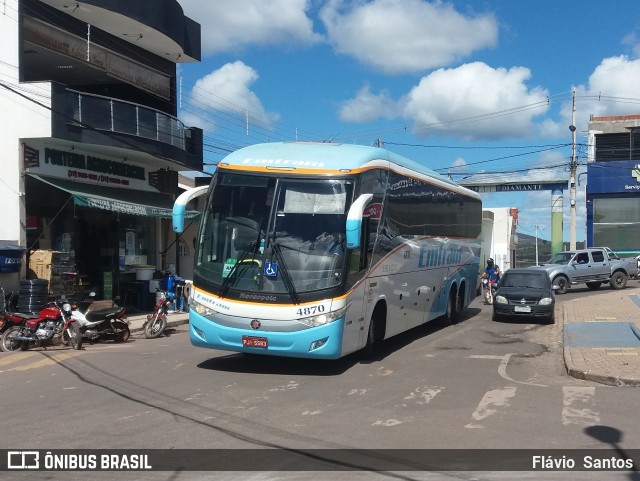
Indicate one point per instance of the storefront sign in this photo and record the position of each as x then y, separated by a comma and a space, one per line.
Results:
614, 177
97, 166
519, 187
86, 168
126, 207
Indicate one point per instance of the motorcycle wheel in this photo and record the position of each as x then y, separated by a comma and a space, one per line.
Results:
74, 336
488, 298
8, 345
122, 332
155, 327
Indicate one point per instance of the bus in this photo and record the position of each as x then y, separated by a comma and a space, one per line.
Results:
319, 250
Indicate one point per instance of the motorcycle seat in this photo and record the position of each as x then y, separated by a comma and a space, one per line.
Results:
25, 316
94, 316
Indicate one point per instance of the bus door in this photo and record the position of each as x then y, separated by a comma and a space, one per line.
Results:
354, 325
355, 332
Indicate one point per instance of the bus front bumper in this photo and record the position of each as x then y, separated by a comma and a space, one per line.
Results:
321, 342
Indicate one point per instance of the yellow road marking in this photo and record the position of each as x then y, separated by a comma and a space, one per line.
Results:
15, 357
54, 359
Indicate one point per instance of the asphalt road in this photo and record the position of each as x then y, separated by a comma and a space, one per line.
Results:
477, 384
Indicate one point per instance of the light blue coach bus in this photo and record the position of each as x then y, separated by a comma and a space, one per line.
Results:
318, 250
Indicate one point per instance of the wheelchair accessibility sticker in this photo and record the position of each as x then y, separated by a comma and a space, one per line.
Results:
271, 269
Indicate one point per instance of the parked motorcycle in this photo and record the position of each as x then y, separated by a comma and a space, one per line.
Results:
8, 317
109, 323
43, 329
489, 290
156, 322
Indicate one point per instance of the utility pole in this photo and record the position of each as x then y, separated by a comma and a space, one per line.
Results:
572, 179
537, 245
537, 227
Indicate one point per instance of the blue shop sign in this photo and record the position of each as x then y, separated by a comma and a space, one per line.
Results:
614, 177
11, 257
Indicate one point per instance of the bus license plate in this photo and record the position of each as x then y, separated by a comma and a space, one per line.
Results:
523, 308
250, 341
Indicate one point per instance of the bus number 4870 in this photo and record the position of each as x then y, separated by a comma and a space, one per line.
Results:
310, 311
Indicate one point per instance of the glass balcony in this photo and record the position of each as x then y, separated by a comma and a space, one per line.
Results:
118, 116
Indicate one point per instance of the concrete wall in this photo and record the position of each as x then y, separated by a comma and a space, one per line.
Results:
20, 118
498, 231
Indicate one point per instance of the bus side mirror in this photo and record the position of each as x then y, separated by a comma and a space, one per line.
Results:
180, 206
354, 220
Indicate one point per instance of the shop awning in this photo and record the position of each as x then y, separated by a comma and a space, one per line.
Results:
124, 201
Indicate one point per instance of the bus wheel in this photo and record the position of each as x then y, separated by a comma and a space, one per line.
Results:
376, 333
459, 303
450, 315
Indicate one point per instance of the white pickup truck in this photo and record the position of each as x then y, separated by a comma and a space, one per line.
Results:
593, 266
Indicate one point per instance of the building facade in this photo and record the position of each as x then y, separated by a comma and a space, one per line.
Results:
613, 184
91, 142
499, 238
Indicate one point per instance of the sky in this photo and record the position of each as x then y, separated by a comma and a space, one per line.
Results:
470, 89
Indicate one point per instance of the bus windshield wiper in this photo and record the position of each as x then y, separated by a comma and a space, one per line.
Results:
226, 283
286, 278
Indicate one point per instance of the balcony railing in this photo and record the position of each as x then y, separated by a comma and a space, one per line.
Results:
119, 116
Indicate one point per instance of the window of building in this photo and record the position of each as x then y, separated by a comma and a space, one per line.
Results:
616, 222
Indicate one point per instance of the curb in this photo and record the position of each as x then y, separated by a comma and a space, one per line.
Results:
170, 323
574, 370
635, 330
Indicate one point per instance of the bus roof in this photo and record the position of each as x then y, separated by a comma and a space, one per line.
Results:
320, 157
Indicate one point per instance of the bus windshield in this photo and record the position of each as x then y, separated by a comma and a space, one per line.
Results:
272, 235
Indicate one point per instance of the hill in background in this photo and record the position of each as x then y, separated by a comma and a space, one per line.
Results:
526, 250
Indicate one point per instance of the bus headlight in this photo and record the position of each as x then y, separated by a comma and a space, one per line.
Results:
322, 319
201, 308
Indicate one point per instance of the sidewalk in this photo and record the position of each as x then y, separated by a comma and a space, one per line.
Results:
174, 318
601, 335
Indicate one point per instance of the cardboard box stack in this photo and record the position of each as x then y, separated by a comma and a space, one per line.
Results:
59, 268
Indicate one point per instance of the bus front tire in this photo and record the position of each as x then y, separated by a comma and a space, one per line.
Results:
375, 334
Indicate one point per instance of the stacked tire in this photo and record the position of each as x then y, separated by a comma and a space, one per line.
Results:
33, 295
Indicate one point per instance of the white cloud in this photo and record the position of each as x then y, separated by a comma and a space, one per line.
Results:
612, 89
475, 101
459, 166
366, 107
406, 36
192, 119
631, 40
232, 24
228, 89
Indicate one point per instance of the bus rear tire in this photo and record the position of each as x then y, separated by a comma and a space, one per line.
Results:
451, 313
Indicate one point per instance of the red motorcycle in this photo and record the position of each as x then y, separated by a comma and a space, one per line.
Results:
8, 318
43, 329
156, 322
